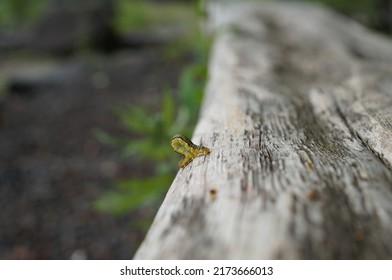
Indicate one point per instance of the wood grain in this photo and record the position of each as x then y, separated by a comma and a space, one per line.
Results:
298, 117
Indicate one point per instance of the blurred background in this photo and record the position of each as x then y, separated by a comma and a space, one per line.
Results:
91, 92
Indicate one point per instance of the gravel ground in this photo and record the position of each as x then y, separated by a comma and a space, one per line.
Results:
51, 165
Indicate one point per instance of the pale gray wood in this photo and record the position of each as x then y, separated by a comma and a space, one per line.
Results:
298, 116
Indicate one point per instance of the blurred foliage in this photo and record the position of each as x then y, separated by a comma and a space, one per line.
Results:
140, 14
177, 115
134, 192
15, 13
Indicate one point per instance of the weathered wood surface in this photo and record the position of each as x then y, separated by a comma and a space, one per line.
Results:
298, 116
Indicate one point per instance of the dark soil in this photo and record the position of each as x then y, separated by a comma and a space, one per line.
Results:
52, 167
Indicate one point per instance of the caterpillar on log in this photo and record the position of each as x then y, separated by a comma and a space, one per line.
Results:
182, 145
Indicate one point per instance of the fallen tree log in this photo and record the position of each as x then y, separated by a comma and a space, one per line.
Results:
298, 117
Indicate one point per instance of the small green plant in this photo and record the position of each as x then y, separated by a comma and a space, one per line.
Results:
177, 115
155, 130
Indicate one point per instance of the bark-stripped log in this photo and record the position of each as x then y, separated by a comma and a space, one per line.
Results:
298, 117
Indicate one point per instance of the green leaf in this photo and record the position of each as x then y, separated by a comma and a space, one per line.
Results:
191, 88
167, 108
182, 120
132, 193
136, 119
148, 149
